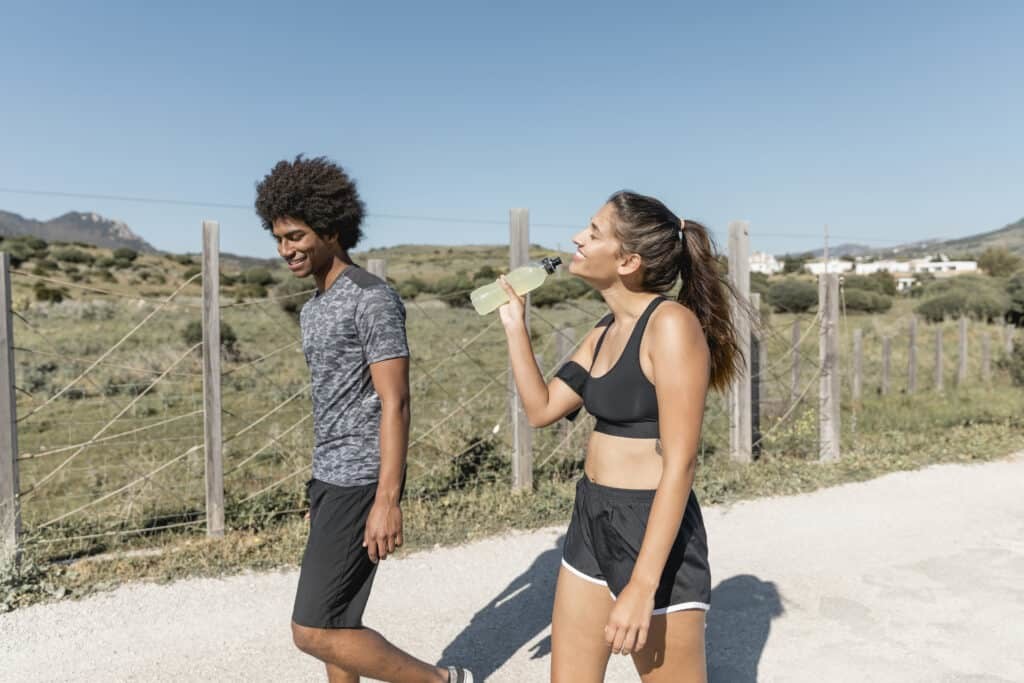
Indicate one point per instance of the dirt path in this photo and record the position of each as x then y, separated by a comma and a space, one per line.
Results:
917, 576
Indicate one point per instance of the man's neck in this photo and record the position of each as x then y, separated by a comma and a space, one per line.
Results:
328, 276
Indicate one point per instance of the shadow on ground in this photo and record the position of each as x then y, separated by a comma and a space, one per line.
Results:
516, 616
740, 619
738, 625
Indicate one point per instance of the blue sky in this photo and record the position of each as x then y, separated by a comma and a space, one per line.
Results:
889, 121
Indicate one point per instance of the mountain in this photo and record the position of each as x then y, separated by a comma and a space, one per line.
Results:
75, 226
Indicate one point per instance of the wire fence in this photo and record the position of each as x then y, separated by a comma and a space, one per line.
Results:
110, 404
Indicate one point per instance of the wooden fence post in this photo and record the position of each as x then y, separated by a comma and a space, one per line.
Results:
912, 357
378, 267
740, 425
886, 359
794, 386
858, 362
961, 371
938, 358
986, 357
1008, 331
828, 356
758, 365
522, 433
212, 434
10, 509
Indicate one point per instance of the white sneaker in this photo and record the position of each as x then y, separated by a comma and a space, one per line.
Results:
457, 674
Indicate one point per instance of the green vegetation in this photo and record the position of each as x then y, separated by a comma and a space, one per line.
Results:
793, 295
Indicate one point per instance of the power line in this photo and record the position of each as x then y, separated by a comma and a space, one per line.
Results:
462, 220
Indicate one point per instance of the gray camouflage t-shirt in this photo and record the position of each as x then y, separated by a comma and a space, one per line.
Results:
358, 321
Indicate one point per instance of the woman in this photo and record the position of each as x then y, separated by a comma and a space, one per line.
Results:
634, 577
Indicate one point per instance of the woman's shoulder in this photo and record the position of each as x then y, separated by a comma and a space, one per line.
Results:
674, 320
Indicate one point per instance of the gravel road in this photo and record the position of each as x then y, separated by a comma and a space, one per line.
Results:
916, 576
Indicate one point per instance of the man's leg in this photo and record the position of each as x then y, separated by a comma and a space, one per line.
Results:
364, 652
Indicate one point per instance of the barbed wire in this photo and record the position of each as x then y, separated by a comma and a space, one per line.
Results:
107, 353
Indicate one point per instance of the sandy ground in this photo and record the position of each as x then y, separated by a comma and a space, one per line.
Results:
917, 576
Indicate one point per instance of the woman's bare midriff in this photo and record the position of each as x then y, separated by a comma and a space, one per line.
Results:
622, 462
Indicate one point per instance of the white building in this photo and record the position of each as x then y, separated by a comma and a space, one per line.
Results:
761, 262
834, 266
869, 267
943, 267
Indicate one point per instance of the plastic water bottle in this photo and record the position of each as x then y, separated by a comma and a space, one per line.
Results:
523, 279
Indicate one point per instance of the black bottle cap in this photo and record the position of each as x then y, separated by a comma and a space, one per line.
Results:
551, 263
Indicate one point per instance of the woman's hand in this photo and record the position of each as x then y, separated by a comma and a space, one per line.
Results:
626, 631
514, 312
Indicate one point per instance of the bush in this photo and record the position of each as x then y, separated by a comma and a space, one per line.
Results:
880, 283
72, 255
125, 254
105, 275
35, 244
183, 259
865, 301
193, 334
409, 289
454, 289
559, 290
485, 274
793, 295
192, 272
251, 291
50, 294
47, 264
19, 253
1015, 291
971, 295
122, 264
105, 262
760, 284
289, 295
1013, 363
999, 261
258, 276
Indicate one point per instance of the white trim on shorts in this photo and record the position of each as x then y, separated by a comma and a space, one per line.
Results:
583, 576
663, 610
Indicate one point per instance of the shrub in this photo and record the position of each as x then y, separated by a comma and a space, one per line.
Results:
251, 291
866, 301
72, 255
1013, 363
193, 334
36, 244
1015, 291
760, 284
192, 272
105, 262
122, 263
105, 275
125, 254
454, 289
258, 276
289, 297
485, 274
409, 289
999, 261
183, 259
19, 253
52, 295
558, 290
47, 264
971, 295
880, 283
793, 295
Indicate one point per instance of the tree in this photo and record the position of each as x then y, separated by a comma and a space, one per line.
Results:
793, 295
794, 263
999, 261
1015, 290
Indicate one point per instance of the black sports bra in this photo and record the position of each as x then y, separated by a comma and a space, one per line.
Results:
623, 399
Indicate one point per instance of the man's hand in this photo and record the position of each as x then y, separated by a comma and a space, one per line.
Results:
383, 530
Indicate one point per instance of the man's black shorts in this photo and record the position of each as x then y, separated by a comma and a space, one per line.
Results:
337, 574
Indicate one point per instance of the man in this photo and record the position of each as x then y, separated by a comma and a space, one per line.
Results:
353, 336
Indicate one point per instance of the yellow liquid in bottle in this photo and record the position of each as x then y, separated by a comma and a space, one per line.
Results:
523, 279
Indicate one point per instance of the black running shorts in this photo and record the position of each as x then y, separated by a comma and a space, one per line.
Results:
605, 535
336, 574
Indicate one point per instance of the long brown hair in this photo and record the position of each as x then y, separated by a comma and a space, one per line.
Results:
671, 250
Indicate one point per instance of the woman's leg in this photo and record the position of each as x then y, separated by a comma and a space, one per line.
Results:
675, 649
579, 653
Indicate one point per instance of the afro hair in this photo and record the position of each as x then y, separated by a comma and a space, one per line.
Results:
315, 191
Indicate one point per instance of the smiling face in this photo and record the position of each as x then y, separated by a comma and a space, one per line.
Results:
305, 252
599, 256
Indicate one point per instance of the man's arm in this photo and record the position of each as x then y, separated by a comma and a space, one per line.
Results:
384, 524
